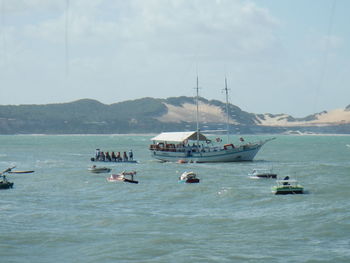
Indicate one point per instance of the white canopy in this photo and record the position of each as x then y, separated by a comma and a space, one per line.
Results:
178, 136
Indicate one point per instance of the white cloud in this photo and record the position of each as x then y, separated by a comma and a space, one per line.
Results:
162, 25
118, 40
29, 6
153, 44
330, 42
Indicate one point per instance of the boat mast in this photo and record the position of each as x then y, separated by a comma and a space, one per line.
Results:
197, 98
227, 113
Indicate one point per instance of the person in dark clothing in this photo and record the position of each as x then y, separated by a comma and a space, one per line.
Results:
108, 157
125, 157
114, 158
131, 155
102, 156
286, 179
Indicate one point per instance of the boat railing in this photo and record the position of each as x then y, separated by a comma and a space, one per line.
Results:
178, 148
261, 171
162, 147
287, 182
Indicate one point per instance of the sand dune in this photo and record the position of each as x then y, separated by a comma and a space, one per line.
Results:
213, 114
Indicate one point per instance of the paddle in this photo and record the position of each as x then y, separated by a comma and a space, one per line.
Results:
7, 170
21, 172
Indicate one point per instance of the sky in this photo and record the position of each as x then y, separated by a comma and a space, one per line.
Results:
279, 56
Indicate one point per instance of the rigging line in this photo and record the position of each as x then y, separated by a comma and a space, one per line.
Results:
227, 112
66, 40
325, 55
4, 46
197, 88
197, 113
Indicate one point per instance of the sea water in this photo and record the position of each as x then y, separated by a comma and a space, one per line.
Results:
64, 213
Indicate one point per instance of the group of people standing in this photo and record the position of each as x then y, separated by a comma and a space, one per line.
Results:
107, 157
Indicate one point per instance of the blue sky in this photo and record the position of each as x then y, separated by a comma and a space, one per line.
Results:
287, 56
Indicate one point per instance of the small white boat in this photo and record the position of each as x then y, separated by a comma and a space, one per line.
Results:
262, 173
121, 177
98, 170
189, 178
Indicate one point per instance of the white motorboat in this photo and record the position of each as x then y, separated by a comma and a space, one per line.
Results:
98, 170
122, 177
262, 173
189, 178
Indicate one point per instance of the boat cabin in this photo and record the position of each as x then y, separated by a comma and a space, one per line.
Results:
179, 141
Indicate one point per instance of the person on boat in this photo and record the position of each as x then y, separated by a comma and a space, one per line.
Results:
125, 157
4, 179
118, 157
286, 179
114, 158
97, 154
108, 157
102, 156
131, 155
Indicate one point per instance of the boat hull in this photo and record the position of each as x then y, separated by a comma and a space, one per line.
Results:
111, 180
264, 176
6, 185
130, 181
285, 190
190, 181
239, 154
99, 170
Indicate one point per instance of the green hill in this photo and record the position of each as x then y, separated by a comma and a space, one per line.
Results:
88, 116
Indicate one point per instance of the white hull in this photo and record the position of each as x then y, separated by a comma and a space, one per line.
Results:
239, 154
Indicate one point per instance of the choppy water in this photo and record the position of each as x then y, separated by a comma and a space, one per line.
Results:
63, 213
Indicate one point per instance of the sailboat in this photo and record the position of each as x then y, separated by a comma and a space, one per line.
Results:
194, 146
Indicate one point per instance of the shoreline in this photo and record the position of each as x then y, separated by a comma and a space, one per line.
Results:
153, 134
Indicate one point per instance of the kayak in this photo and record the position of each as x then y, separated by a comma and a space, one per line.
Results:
21, 172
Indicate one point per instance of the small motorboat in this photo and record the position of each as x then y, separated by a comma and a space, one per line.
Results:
287, 186
98, 170
189, 178
262, 173
122, 177
4, 184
